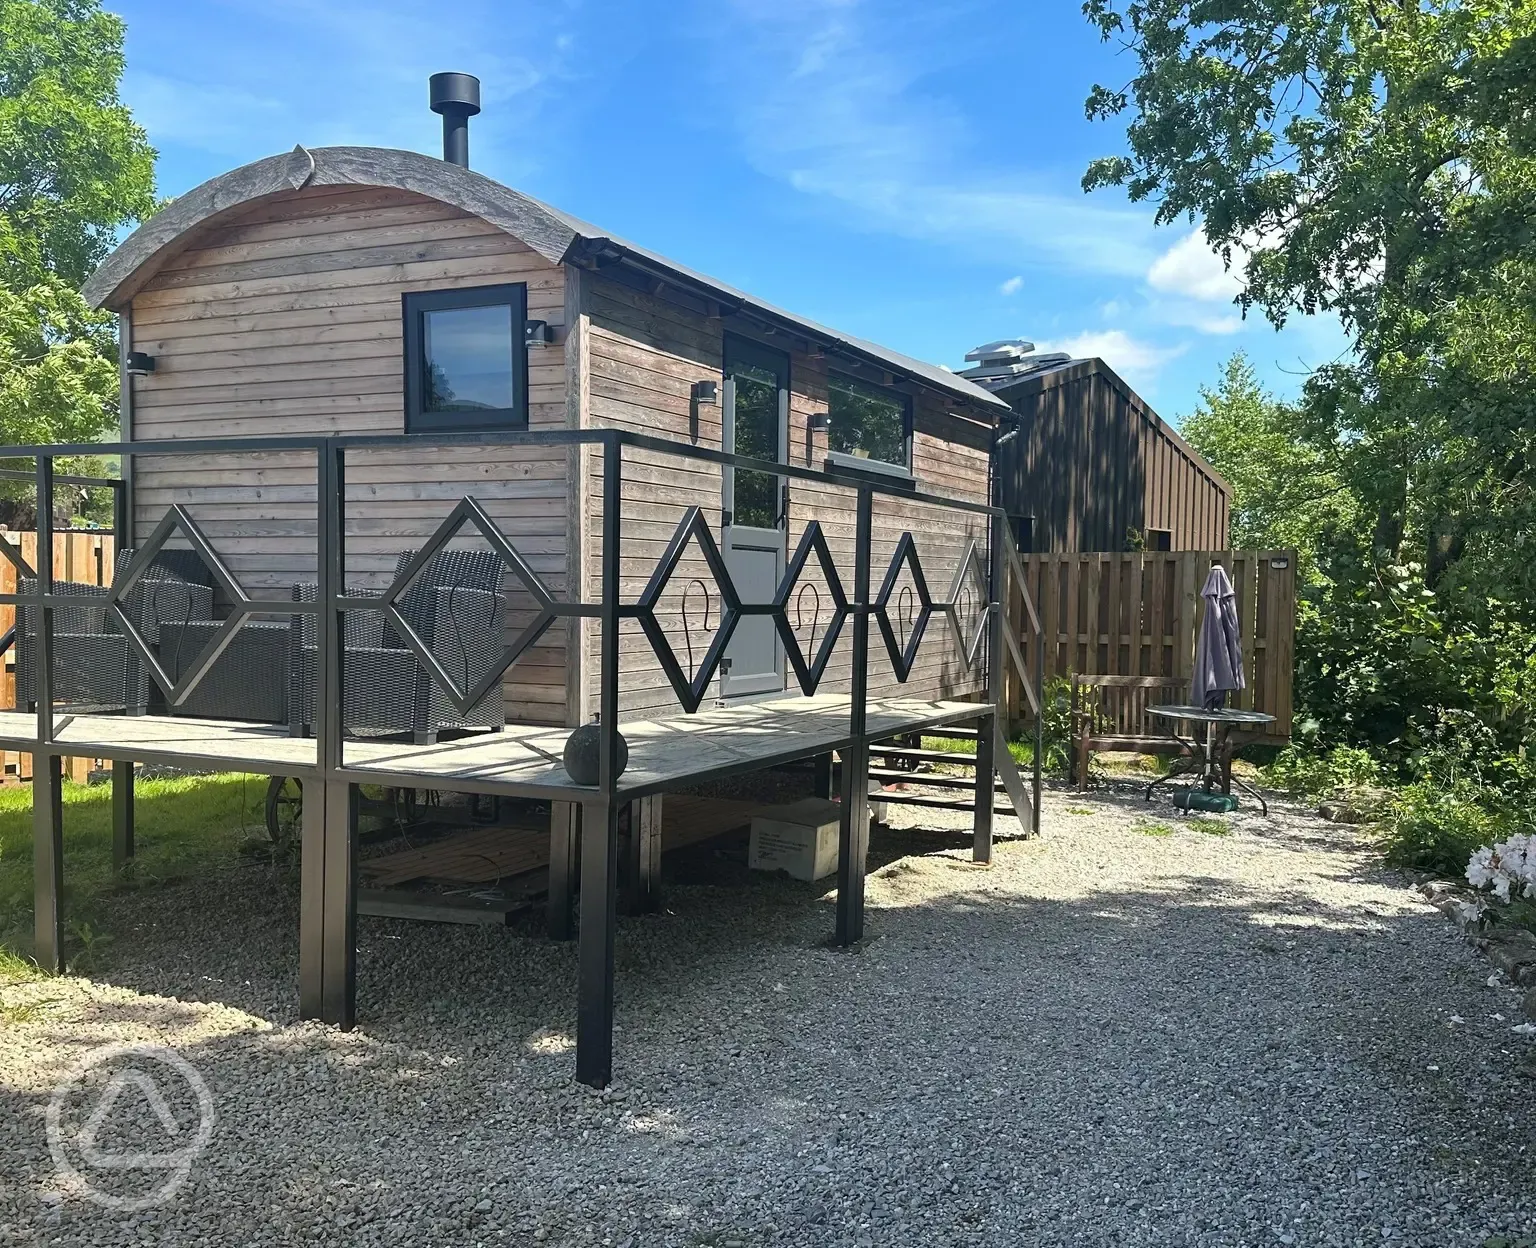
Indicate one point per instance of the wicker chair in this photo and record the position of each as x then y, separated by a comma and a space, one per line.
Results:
456, 607
94, 665
248, 681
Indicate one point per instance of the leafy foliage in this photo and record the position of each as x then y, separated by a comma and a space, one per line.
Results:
74, 169
1429, 827
1285, 491
1377, 161
74, 166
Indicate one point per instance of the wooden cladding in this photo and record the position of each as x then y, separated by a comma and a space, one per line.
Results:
1093, 468
286, 319
85, 558
1139, 615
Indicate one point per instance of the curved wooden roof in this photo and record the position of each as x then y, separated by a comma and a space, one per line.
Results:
557, 237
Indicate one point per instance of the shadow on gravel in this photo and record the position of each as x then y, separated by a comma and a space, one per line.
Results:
1192, 1034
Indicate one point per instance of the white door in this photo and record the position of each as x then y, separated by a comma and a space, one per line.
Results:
755, 525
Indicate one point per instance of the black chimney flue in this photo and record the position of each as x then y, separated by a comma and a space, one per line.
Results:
457, 98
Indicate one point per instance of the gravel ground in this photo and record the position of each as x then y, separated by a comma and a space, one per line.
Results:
1135, 1030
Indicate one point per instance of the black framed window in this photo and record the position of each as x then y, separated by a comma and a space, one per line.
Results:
869, 422
466, 359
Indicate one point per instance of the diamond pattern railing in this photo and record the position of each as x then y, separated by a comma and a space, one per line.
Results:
470, 512
968, 591
178, 519
903, 657
690, 687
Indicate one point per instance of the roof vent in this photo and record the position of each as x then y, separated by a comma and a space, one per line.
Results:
457, 98
997, 364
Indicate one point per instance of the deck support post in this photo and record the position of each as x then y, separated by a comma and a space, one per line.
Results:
122, 813
642, 856
47, 766
328, 904
600, 815
853, 843
599, 917
48, 861
821, 781
328, 845
564, 831
853, 834
988, 728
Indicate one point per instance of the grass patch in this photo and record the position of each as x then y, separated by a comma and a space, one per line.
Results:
1211, 827
1148, 827
24, 1012
1081, 810
15, 969
1022, 751
181, 825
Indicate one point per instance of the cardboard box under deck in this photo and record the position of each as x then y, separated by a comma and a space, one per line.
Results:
799, 839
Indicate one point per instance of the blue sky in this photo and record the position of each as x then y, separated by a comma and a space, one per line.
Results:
904, 171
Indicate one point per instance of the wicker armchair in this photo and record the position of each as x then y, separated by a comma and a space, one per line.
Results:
94, 665
456, 607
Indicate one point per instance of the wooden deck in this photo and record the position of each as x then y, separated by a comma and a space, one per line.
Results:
518, 760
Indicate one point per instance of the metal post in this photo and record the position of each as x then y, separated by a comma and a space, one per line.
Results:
47, 774
564, 829
48, 861
43, 675
642, 859
853, 836
599, 915
338, 990
328, 626
599, 819
821, 781
990, 736
122, 813
312, 901
1039, 724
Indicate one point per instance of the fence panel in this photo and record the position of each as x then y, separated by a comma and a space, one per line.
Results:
1138, 614
77, 556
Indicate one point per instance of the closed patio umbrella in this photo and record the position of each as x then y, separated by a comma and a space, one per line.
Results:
1219, 648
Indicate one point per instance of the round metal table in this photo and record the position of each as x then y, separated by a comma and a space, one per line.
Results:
1209, 754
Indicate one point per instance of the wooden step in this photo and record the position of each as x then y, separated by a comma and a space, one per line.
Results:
934, 803
887, 776
923, 756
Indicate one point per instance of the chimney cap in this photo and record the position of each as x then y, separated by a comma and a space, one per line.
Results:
455, 93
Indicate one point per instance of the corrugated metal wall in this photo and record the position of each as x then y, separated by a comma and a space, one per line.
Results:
1093, 465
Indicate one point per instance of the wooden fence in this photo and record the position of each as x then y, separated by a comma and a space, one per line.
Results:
1139, 615
85, 557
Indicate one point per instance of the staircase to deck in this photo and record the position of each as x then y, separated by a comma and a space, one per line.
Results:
897, 760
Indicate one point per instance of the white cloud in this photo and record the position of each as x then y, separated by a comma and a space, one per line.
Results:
1138, 361
838, 103
1012, 286
1191, 269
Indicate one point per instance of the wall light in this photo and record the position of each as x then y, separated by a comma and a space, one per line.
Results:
819, 420
537, 334
139, 364
706, 392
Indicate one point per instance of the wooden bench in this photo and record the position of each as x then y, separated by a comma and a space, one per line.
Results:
1110, 713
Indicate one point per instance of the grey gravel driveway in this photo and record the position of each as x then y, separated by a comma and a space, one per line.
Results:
1135, 1030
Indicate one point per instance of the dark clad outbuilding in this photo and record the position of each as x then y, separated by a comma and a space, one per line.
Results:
1093, 468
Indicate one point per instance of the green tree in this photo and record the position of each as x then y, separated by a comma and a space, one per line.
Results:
74, 169
1374, 159
1285, 491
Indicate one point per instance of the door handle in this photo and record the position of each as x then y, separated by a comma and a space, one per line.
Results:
783, 520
